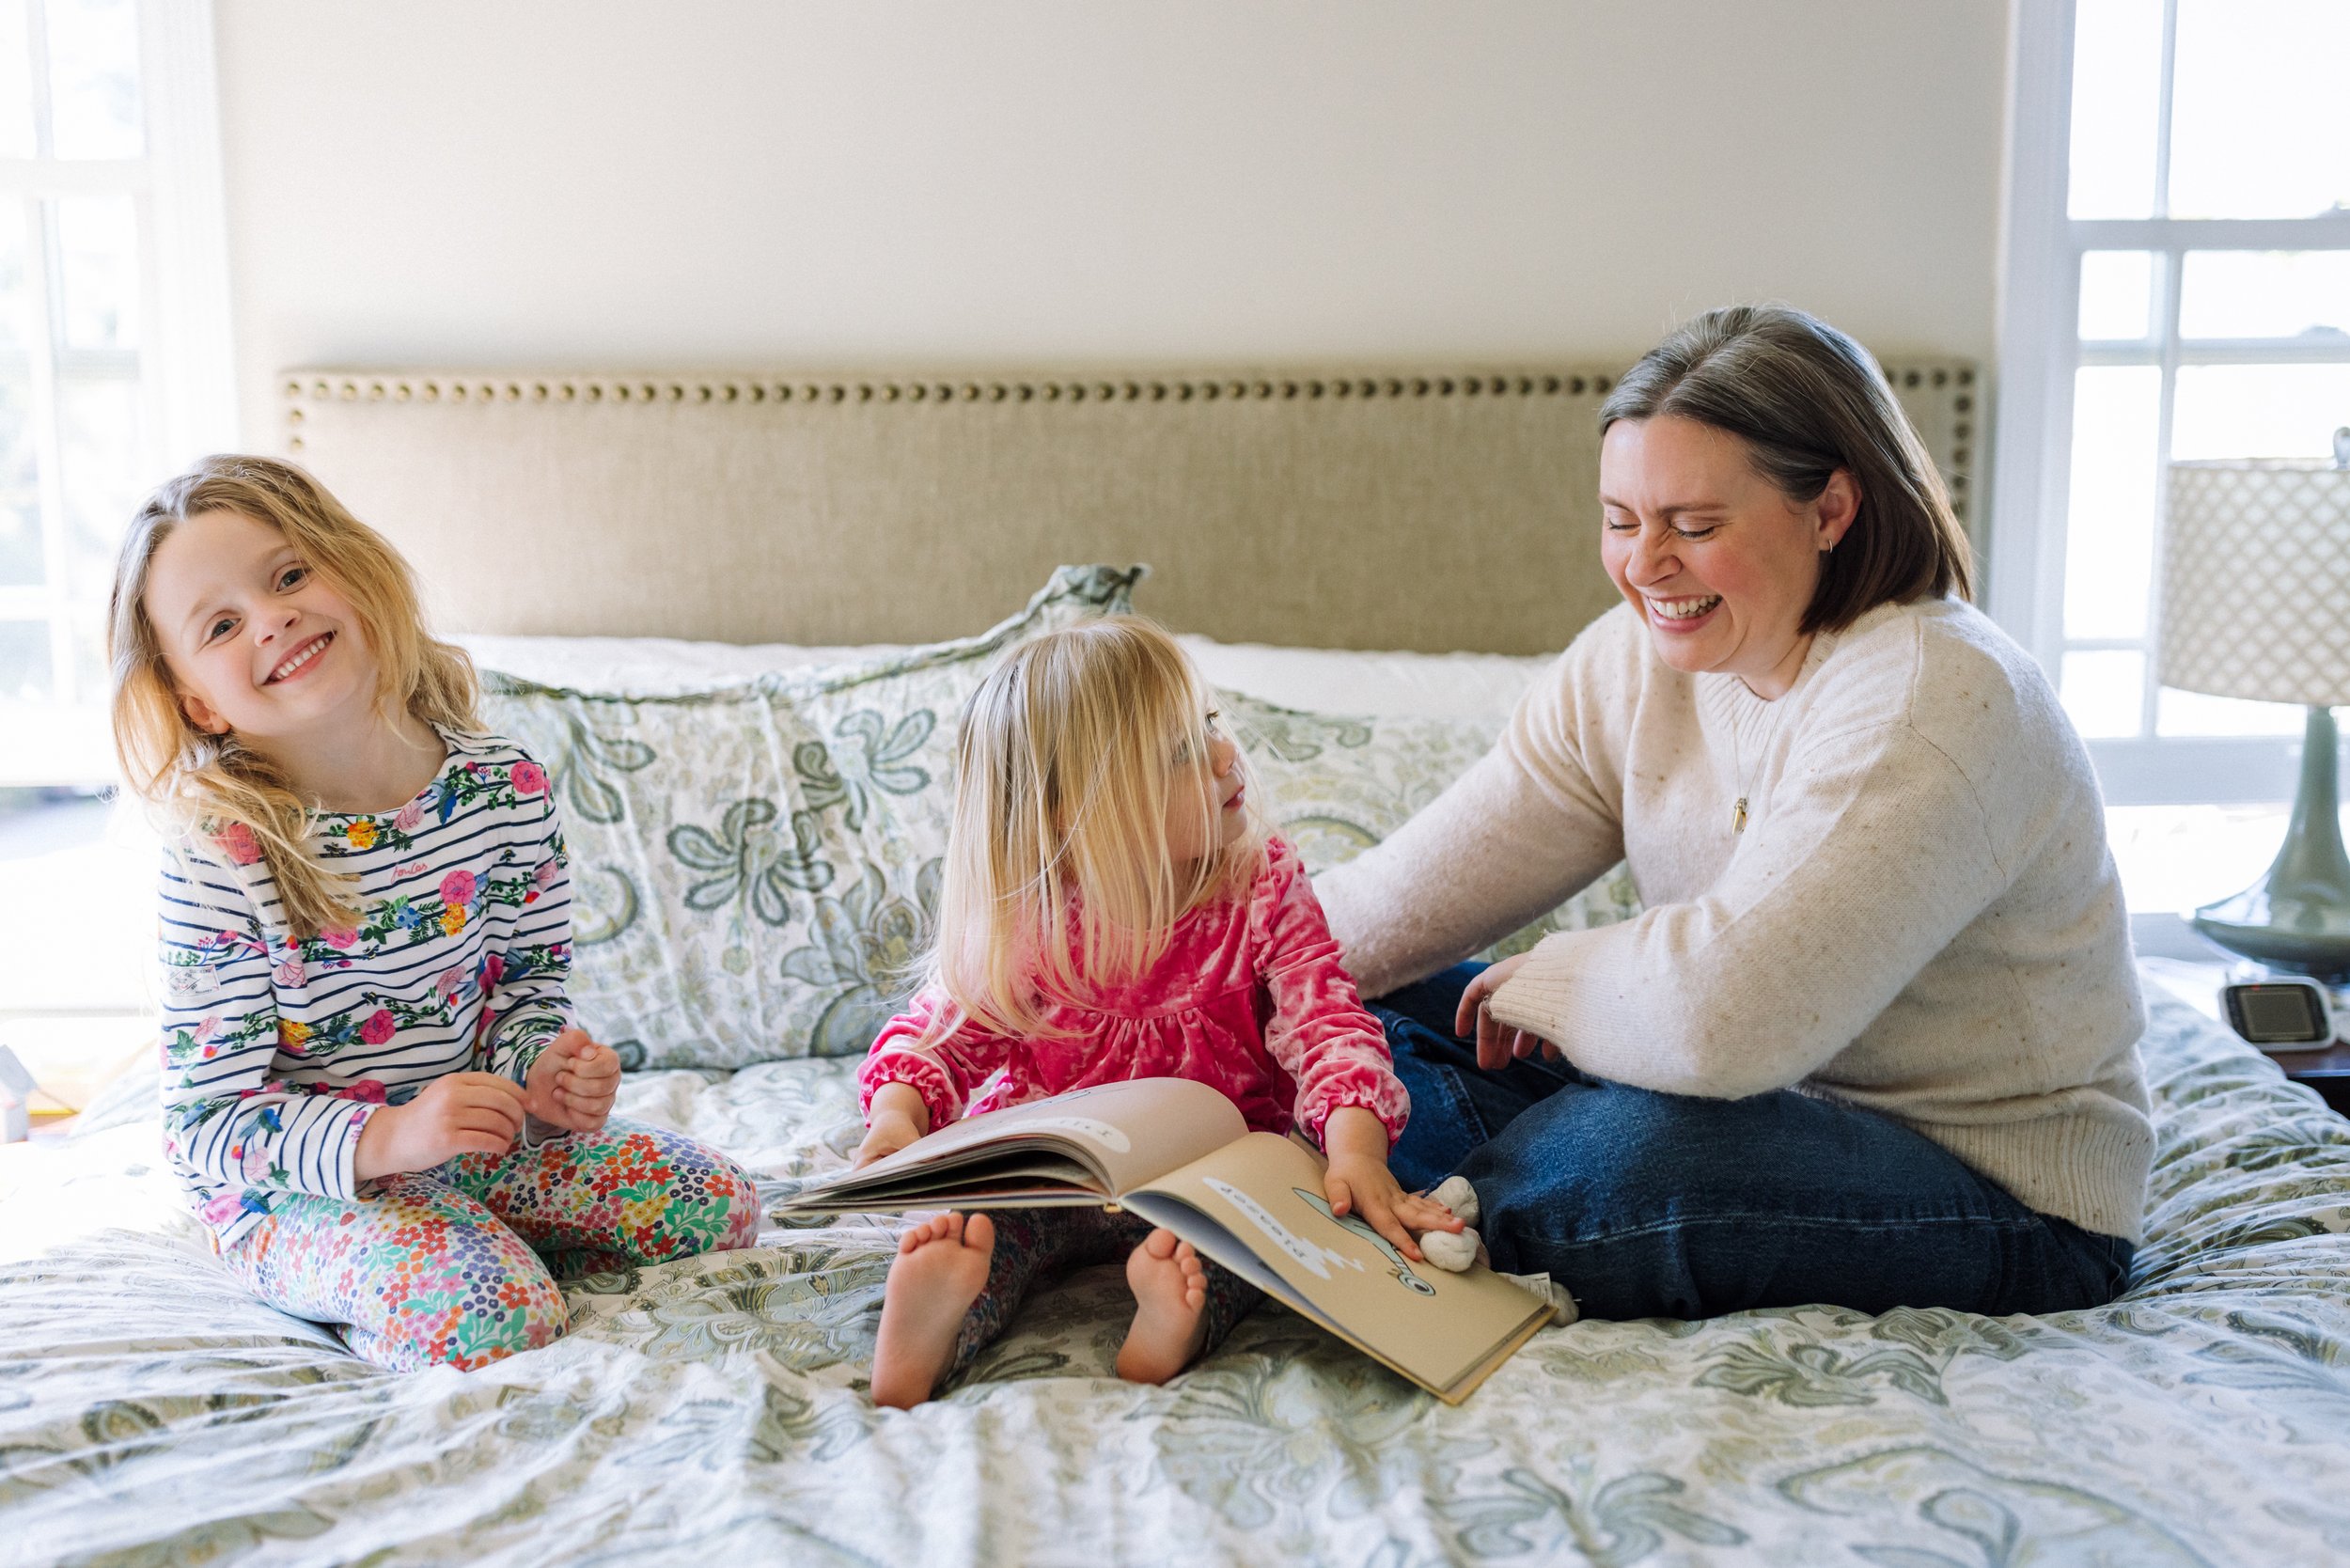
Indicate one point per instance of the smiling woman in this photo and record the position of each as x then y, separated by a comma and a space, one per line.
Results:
1873, 1040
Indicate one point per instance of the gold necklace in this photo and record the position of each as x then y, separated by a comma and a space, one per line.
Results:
1738, 762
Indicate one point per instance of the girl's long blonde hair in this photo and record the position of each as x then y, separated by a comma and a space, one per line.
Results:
203, 786
1058, 877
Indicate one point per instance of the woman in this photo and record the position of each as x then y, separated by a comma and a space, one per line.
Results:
1873, 1042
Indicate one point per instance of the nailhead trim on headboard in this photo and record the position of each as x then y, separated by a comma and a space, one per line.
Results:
1956, 458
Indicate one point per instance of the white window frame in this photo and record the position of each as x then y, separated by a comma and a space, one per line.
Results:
185, 357
2039, 354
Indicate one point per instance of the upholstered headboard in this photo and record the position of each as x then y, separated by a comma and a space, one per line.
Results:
1427, 509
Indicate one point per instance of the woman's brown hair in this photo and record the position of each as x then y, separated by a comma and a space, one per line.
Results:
1809, 401
203, 784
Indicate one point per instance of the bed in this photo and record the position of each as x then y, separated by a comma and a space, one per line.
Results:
149, 1411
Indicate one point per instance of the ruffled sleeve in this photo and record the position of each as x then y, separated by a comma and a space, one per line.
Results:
1319, 1031
944, 1071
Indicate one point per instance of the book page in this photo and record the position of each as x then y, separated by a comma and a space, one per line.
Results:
1263, 1195
1119, 1134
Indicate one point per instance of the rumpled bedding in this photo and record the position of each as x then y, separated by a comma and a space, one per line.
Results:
714, 1409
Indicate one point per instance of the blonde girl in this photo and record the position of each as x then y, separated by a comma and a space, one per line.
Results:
373, 1091
1111, 910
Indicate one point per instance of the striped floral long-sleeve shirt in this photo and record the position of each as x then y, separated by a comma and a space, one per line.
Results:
276, 1050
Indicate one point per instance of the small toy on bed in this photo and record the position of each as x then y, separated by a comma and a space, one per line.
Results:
1453, 1252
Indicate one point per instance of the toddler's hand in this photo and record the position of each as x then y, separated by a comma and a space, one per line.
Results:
1360, 1183
572, 1082
1498, 1043
894, 1118
463, 1113
1367, 1187
885, 1136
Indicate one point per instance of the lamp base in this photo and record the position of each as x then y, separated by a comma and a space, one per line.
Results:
2296, 916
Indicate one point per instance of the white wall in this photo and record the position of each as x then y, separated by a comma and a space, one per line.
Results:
624, 182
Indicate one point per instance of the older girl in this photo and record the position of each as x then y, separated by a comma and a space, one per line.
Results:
374, 1090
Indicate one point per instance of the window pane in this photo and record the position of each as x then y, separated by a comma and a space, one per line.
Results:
2178, 713
2260, 109
2178, 857
2101, 691
98, 423
2117, 72
2229, 411
97, 253
94, 78
2110, 531
24, 661
16, 82
16, 295
20, 491
2267, 293
2117, 292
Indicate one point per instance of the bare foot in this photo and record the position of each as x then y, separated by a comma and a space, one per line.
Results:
1170, 1288
941, 1267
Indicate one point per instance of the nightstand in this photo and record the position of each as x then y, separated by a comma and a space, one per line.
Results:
2198, 984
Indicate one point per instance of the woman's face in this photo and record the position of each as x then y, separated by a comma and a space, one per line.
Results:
1720, 564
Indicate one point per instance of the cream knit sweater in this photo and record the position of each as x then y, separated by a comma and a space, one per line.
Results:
1920, 917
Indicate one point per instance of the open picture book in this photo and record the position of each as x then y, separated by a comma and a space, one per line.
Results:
1177, 1153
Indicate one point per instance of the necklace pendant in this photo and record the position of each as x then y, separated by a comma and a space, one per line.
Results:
1738, 816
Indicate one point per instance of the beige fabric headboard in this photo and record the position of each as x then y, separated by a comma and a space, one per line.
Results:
1426, 509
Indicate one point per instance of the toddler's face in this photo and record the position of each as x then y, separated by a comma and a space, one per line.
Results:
1206, 767
257, 642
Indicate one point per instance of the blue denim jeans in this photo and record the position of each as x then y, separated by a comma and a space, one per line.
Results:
1662, 1205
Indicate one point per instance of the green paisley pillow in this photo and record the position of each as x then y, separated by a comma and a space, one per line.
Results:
752, 865
1336, 785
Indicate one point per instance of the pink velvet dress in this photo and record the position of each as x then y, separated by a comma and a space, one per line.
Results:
1249, 1000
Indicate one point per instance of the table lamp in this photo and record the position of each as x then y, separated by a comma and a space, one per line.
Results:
2256, 603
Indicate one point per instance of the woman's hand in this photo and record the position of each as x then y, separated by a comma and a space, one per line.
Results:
894, 1118
463, 1113
1359, 1181
1498, 1043
572, 1082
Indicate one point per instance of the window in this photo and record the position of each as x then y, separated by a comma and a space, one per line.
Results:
113, 363
2178, 285
113, 369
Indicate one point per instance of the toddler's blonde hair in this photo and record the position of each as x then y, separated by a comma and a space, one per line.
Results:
201, 785
1058, 878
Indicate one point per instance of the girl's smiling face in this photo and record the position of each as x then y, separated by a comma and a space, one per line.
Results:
1190, 834
257, 641
1720, 564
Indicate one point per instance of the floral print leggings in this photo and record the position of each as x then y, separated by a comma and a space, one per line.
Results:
456, 1265
1033, 1243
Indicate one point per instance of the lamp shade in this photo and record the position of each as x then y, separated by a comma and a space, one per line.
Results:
2256, 581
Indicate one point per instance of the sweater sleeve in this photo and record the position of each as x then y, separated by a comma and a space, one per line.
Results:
945, 1073
1873, 855
1319, 1033
226, 1124
1534, 820
525, 1005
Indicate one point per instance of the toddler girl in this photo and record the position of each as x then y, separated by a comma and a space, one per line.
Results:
1111, 910
372, 1088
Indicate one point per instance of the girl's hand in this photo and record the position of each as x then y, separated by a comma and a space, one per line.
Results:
463, 1113
895, 1117
1498, 1043
572, 1082
1360, 1183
